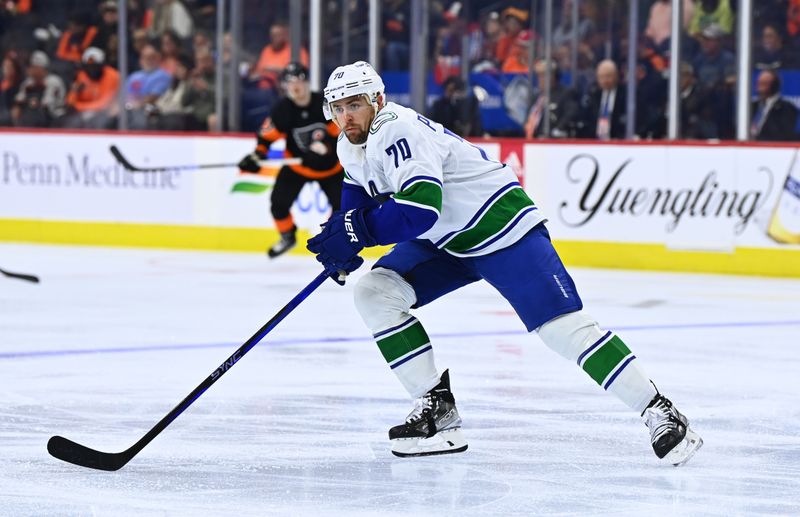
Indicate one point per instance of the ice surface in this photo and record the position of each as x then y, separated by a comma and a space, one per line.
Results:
113, 339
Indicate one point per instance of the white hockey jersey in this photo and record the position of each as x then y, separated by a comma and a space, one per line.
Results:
480, 204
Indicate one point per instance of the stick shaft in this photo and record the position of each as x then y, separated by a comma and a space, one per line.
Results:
72, 452
132, 168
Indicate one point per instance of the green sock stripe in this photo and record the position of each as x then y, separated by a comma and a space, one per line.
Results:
403, 342
606, 359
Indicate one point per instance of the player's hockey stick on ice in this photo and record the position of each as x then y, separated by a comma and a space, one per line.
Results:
67, 450
132, 168
20, 276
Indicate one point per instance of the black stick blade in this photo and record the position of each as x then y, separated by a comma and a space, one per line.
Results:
121, 159
71, 452
20, 276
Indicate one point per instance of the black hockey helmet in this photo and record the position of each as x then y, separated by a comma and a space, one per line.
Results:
294, 70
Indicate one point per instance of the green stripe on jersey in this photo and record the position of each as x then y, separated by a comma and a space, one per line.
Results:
422, 193
495, 219
399, 344
606, 359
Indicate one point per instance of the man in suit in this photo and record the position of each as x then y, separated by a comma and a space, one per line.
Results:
774, 119
563, 106
605, 105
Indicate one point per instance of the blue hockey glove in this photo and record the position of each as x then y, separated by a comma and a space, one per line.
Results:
338, 244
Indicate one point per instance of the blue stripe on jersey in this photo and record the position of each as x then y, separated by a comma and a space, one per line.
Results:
478, 214
420, 178
500, 235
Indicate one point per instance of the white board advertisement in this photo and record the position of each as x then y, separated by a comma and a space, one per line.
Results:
687, 197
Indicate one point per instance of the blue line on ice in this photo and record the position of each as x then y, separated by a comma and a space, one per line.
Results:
367, 337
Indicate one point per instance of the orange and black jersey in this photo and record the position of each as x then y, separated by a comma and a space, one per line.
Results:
303, 128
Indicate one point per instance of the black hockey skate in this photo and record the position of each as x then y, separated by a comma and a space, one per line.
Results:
672, 438
287, 242
433, 427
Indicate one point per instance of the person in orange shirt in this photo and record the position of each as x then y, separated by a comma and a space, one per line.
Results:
92, 98
275, 56
76, 39
514, 21
517, 60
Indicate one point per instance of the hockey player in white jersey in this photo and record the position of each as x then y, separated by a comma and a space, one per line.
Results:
457, 217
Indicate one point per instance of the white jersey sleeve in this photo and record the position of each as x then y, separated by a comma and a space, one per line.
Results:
409, 164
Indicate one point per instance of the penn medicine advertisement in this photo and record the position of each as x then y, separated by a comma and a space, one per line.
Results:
685, 197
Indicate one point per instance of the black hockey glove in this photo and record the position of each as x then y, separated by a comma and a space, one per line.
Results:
250, 163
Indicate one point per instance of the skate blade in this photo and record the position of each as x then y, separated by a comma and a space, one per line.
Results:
272, 253
444, 442
684, 451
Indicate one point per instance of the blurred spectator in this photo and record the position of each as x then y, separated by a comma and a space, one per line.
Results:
715, 70
714, 66
517, 60
659, 23
483, 42
396, 17
201, 41
770, 54
139, 40
77, 38
604, 107
448, 43
199, 96
170, 112
770, 12
92, 100
145, 86
457, 109
170, 48
651, 101
40, 98
793, 22
169, 15
712, 12
205, 14
563, 107
514, 21
107, 29
696, 116
10, 81
275, 56
565, 33
774, 119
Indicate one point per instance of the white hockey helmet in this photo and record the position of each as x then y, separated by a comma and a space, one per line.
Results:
358, 78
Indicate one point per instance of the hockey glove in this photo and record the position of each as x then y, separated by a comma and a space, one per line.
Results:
250, 163
338, 244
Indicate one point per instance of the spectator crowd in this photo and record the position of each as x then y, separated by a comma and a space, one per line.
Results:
60, 64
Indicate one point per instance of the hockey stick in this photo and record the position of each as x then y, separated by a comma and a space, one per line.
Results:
132, 168
20, 276
72, 452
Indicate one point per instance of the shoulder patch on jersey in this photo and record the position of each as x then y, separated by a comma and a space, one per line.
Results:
382, 118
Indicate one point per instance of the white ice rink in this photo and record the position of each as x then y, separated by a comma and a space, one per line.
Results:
112, 339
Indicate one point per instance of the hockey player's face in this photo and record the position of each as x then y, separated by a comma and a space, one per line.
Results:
298, 90
354, 116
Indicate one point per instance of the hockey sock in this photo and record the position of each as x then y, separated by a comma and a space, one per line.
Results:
383, 298
602, 355
408, 352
